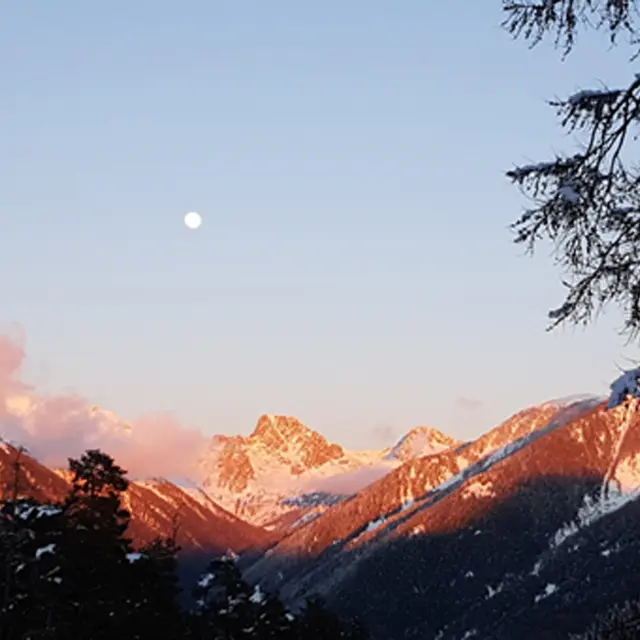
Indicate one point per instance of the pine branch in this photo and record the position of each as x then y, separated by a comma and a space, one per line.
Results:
588, 206
535, 19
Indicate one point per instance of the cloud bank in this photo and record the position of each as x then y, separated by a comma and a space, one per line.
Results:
54, 428
350, 482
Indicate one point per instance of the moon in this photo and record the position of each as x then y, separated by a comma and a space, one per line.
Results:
193, 220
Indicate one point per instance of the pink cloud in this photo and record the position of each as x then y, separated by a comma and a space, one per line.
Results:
54, 428
11, 360
160, 445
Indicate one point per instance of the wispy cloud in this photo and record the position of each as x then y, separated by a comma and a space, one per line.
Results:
385, 434
469, 404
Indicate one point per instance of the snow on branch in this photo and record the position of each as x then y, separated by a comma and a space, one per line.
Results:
589, 97
624, 386
588, 205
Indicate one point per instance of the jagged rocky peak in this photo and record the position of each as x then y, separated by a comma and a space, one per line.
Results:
286, 434
272, 429
422, 441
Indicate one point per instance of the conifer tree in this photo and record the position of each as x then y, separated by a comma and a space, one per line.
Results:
29, 578
152, 585
224, 601
230, 609
586, 201
117, 592
95, 548
31, 585
274, 621
70, 573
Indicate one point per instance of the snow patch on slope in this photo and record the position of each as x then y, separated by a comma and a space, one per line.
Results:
420, 442
591, 511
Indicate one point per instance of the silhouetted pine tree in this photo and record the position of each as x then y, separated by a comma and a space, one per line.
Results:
11, 558
69, 572
274, 622
30, 573
38, 579
94, 549
152, 585
586, 201
225, 609
229, 609
81, 578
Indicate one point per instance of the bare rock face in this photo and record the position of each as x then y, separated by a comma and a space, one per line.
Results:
536, 519
296, 444
234, 466
254, 476
276, 476
362, 517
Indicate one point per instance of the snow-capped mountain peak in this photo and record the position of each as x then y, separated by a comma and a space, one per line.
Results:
253, 475
421, 441
270, 427
274, 470
295, 443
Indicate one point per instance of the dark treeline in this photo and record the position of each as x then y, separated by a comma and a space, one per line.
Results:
68, 570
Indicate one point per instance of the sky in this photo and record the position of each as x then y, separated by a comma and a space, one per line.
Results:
354, 267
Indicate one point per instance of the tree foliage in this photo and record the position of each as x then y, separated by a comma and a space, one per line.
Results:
587, 202
230, 609
620, 623
68, 571
563, 19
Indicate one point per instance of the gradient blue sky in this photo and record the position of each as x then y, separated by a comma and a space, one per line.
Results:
354, 267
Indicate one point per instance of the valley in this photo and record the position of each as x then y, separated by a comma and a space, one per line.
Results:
527, 527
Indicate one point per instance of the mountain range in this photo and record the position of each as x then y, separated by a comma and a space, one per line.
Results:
284, 468
528, 531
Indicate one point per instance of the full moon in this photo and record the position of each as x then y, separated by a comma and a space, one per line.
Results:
193, 220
